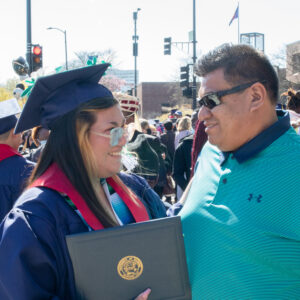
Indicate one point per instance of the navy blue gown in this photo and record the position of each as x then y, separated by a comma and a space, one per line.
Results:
34, 260
14, 171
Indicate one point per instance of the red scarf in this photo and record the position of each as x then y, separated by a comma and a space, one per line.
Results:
55, 179
7, 151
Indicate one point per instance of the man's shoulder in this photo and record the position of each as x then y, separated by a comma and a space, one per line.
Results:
287, 144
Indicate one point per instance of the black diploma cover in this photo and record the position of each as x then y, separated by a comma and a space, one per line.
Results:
121, 262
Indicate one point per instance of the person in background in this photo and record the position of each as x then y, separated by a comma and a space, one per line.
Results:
293, 106
145, 126
200, 138
184, 129
75, 187
194, 119
39, 136
182, 164
14, 169
178, 114
241, 213
129, 105
168, 138
27, 143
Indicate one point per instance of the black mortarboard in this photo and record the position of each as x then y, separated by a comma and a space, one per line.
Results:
55, 95
8, 110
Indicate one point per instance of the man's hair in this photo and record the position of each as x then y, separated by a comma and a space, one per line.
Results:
241, 64
168, 125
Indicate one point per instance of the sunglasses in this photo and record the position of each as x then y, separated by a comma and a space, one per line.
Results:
114, 135
212, 100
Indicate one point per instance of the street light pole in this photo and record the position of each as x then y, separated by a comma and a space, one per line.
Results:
135, 50
28, 50
65, 34
194, 87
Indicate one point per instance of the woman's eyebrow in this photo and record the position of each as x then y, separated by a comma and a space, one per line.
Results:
116, 123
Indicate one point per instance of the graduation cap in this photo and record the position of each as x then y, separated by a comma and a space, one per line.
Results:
8, 110
55, 95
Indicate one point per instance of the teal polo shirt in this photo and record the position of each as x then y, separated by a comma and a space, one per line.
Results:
241, 220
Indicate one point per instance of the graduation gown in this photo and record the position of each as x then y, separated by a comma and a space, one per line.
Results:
14, 170
34, 260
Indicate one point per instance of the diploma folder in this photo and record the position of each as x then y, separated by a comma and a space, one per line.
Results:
121, 262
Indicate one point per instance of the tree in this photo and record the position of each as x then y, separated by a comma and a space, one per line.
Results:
113, 83
5, 94
107, 55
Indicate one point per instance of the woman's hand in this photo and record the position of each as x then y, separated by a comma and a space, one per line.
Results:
144, 295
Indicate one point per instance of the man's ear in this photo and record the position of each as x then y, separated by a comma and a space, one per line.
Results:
258, 96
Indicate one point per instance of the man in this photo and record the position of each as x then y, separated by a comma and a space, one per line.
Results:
168, 138
14, 169
241, 219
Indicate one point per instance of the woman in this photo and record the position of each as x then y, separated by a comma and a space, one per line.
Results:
64, 194
184, 129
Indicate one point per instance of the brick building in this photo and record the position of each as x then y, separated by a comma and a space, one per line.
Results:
155, 95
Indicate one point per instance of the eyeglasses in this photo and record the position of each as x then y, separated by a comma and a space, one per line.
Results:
115, 135
212, 100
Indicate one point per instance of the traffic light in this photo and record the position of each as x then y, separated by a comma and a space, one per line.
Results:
167, 46
184, 76
20, 66
187, 92
37, 58
184, 82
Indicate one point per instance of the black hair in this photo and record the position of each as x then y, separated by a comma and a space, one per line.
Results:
63, 148
293, 99
241, 64
168, 125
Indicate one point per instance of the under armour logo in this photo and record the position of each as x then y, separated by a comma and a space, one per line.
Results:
257, 198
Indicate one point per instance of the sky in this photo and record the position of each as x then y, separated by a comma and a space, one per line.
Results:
96, 25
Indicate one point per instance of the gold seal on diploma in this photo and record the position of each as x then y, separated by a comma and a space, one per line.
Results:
130, 267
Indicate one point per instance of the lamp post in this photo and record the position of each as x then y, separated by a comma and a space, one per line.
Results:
194, 87
28, 45
135, 49
65, 33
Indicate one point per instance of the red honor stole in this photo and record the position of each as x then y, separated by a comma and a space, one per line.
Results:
55, 179
7, 151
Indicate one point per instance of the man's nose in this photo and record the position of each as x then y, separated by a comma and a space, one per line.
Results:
204, 113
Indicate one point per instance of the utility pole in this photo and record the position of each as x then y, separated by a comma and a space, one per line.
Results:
29, 44
135, 49
194, 87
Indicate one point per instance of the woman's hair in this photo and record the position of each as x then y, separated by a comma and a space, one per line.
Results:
26, 139
184, 123
68, 146
34, 135
292, 99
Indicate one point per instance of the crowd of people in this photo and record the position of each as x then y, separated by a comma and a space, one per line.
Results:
79, 158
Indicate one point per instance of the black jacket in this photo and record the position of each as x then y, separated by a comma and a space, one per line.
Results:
168, 139
182, 162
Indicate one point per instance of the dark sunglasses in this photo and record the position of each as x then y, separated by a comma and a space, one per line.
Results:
212, 100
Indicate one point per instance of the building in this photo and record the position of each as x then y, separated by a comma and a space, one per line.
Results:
126, 75
157, 97
293, 62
